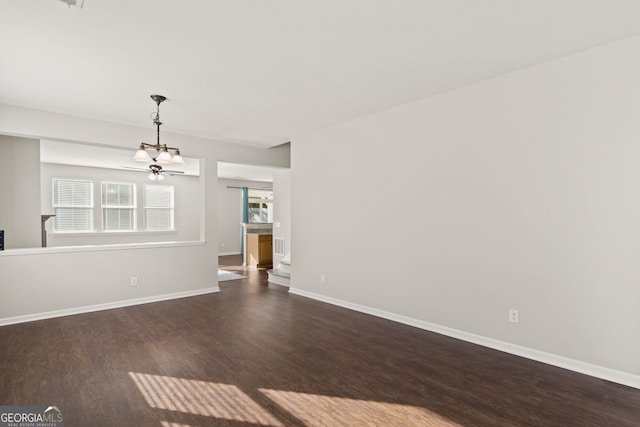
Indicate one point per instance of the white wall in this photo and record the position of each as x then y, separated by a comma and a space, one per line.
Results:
19, 187
186, 201
518, 192
282, 210
230, 213
77, 279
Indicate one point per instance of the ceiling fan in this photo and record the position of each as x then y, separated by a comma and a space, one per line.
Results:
155, 170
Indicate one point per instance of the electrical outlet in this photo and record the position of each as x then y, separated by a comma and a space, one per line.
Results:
134, 281
323, 279
514, 316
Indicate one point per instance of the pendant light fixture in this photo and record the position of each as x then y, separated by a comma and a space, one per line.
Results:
163, 156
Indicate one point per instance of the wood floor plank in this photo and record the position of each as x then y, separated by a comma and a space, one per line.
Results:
254, 354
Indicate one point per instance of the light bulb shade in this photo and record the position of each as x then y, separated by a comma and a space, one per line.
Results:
142, 155
160, 177
152, 176
177, 158
164, 157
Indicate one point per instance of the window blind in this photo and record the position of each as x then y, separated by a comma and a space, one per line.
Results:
72, 202
118, 206
158, 207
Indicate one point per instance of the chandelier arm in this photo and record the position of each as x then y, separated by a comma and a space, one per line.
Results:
158, 146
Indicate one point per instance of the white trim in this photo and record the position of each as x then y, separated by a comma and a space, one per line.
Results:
203, 198
229, 253
112, 233
278, 280
92, 248
540, 356
106, 306
279, 284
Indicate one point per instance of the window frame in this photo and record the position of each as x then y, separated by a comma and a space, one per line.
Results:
88, 207
133, 207
264, 210
146, 209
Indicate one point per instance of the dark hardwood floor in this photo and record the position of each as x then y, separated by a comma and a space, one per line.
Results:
254, 354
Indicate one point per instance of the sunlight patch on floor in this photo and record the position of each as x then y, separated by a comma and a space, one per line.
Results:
317, 410
225, 401
168, 424
201, 398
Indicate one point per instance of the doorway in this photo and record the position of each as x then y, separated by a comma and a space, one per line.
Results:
252, 199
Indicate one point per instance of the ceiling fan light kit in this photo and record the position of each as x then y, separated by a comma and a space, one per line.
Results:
163, 156
157, 173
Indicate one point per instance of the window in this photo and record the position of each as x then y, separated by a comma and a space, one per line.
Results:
158, 207
259, 212
118, 206
260, 206
72, 205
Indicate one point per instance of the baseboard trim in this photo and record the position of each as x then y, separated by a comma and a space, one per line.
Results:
529, 353
277, 279
106, 306
271, 282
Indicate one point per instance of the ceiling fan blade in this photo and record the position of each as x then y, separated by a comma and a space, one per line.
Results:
167, 171
135, 169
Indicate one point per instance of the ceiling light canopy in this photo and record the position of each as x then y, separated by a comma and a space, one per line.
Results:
76, 3
163, 155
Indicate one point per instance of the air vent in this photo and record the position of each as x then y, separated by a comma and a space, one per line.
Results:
278, 246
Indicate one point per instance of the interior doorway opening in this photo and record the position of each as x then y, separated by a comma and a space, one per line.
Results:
253, 213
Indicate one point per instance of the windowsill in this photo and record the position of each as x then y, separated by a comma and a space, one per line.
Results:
93, 248
111, 233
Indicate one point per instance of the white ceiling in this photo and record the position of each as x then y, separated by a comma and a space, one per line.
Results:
259, 72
